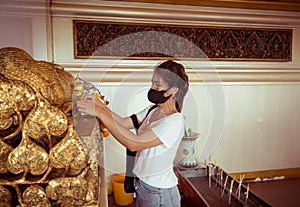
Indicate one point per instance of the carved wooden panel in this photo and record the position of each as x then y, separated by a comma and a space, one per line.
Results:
152, 41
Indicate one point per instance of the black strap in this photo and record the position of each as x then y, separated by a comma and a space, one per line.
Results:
130, 158
135, 122
152, 107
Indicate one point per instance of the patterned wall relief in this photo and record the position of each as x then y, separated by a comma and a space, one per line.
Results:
153, 41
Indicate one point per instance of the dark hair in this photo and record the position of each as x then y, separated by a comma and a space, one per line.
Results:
174, 74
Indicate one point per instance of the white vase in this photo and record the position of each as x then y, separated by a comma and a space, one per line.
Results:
186, 151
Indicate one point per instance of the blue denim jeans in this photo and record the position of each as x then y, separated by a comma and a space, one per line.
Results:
149, 196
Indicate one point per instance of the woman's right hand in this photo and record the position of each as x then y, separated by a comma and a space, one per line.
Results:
91, 105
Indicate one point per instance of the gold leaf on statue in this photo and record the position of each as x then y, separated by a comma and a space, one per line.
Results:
45, 71
5, 149
28, 157
15, 96
11, 54
69, 152
16, 65
44, 161
65, 79
5, 197
6, 123
70, 191
45, 120
35, 196
47, 78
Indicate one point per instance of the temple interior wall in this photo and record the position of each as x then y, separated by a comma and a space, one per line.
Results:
249, 122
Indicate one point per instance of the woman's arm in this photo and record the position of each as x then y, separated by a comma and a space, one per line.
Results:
126, 122
130, 140
117, 126
92, 106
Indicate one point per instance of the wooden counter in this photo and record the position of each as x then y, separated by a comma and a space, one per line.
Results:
196, 190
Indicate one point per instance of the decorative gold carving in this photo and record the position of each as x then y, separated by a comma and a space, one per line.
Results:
10, 109
35, 195
27, 157
102, 40
43, 160
5, 150
40, 76
69, 153
5, 197
45, 120
69, 191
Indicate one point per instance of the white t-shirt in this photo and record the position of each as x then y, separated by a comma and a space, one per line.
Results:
154, 165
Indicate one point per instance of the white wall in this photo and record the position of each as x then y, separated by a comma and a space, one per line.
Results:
23, 25
16, 32
260, 129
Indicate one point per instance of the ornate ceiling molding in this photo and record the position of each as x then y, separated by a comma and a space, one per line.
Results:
284, 5
197, 73
171, 14
23, 8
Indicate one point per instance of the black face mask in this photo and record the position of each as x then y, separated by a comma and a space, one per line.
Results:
157, 97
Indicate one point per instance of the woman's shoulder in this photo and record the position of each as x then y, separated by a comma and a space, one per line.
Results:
176, 116
145, 111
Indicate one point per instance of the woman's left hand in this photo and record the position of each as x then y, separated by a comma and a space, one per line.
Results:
89, 104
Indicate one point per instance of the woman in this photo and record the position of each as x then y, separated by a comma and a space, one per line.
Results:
158, 137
